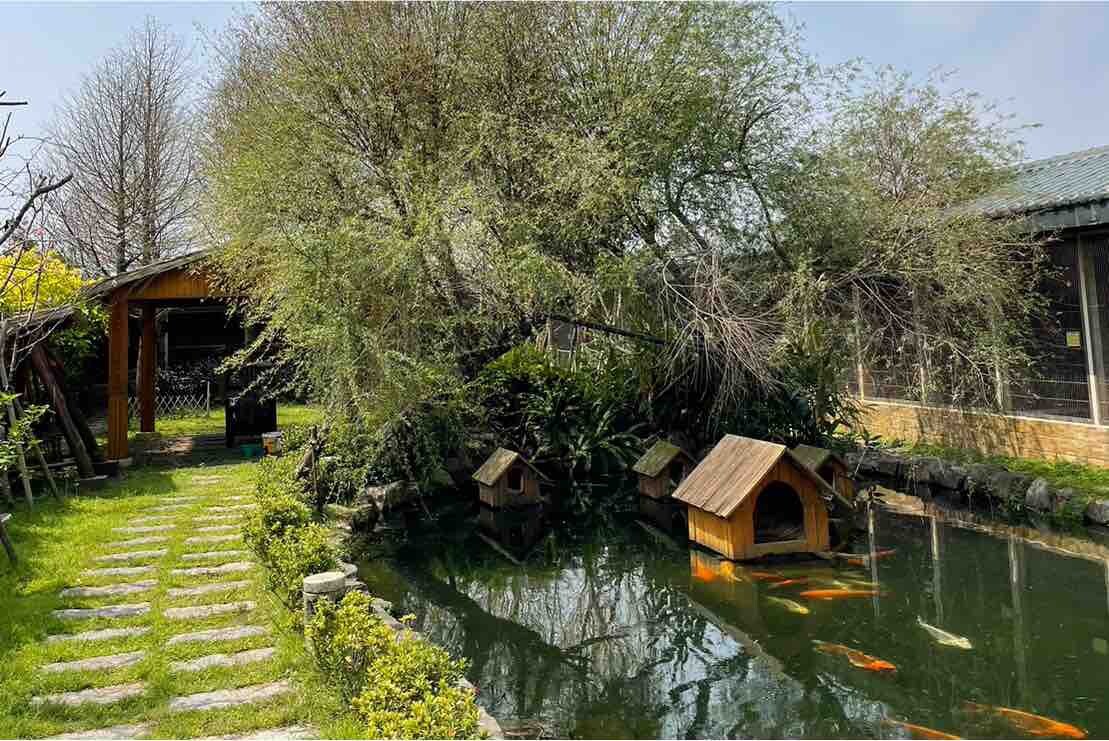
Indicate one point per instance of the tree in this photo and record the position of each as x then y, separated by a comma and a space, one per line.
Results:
126, 136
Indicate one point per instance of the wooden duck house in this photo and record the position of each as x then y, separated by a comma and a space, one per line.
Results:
661, 469
507, 479
750, 498
829, 467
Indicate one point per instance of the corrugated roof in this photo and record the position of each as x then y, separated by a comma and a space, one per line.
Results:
146, 272
499, 462
1055, 182
658, 457
812, 456
728, 474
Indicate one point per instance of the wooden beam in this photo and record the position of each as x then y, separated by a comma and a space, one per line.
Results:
117, 380
75, 412
148, 361
61, 408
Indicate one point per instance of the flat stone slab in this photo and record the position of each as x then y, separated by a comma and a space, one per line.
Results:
136, 730
217, 518
198, 539
286, 733
219, 634
226, 586
162, 520
235, 567
119, 571
110, 590
203, 611
218, 528
231, 508
97, 663
131, 555
96, 696
138, 530
208, 555
112, 611
212, 661
231, 698
148, 540
107, 634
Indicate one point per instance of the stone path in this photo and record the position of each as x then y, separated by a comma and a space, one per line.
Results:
194, 572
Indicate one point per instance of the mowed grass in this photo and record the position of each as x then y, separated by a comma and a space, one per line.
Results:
56, 541
288, 414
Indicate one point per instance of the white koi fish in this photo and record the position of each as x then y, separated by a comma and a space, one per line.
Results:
789, 605
944, 638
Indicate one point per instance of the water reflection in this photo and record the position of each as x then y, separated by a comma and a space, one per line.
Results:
612, 633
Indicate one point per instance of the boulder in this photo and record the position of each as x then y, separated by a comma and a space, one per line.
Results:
1097, 511
1009, 486
1063, 499
950, 476
1040, 496
978, 478
389, 496
879, 463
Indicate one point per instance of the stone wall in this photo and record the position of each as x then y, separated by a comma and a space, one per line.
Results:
1021, 437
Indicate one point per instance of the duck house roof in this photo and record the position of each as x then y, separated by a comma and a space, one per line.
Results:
814, 457
498, 463
658, 457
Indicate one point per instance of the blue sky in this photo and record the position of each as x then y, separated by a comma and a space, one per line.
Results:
1047, 62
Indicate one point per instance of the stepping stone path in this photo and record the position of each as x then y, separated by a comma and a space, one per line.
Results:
98, 663
226, 586
231, 698
111, 590
113, 611
206, 555
276, 734
96, 696
212, 661
235, 567
206, 611
156, 531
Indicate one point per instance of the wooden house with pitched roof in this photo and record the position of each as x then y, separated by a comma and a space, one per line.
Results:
661, 469
750, 498
830, 467
507, 479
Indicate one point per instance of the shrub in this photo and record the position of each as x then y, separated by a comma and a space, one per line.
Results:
345, 638
271, 521
449, 712
299, 552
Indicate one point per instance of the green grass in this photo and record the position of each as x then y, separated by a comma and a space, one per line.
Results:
57, 540
1091, 482
213, 424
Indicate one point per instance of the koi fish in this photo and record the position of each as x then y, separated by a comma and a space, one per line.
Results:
864, 559
1036, 725
700, 573
763, 576
788, 583
916, 731
856, 658
944, 638
831, 594
789, 604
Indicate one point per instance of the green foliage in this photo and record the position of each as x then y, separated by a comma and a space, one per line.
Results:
19, 435
275, 517
298, 553
345, 638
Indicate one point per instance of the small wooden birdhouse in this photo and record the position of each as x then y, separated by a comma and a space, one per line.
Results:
750, 498
507, 479
829, 467
661, 469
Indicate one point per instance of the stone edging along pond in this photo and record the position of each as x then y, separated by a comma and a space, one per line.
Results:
1015, 492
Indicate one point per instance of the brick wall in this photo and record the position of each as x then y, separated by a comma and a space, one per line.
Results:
1023, 437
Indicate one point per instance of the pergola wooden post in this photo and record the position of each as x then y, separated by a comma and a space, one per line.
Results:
117, 378
148, 361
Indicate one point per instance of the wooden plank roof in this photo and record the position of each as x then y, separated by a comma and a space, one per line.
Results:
814, 457
658, 457
106, 287
728, 474
499, 462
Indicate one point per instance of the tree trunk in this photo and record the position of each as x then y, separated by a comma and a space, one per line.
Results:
57, 397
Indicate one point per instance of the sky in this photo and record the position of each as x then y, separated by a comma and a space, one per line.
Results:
1044, 62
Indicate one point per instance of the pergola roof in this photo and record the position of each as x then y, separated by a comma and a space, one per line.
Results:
139, 276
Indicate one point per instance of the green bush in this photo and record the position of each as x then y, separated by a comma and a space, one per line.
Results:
275, 516
344, 640
297, 553
449, 712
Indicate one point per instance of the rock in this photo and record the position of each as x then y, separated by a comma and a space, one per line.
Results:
1009, 486
114, 611
198, 539
143, 529
214, 555
226, 586
390, 496
108, 634
138, 541
349, 570
1039, 496
97, 696
978, 478
217, 660
131, 556
230, 698
923, 470
235, 567
1097, 511
1063, 499
364, 518
286, 733
950, 476
328, 582
118, 571
197, 612
218, 529
110, 590
97, 663
137, 730
219, 634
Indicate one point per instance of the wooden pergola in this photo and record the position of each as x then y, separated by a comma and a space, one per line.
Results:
179, 281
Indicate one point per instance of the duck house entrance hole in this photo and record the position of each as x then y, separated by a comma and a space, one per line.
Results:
779, 514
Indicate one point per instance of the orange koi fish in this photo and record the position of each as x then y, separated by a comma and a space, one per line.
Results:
763, 576
831, 594
856, 658
1036, 725
916, 731
864, 559
701, 573
788, 583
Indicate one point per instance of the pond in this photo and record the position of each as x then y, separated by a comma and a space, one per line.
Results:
615, 630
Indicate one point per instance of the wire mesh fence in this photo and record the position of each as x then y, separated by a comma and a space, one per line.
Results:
176, 405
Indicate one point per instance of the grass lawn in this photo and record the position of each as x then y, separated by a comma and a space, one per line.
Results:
57, 541
1092, 482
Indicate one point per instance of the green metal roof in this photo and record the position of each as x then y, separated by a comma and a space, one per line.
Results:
1069, 190
657, 458
499, 462
812, 456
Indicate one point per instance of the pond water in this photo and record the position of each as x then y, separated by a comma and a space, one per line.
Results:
615, 630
